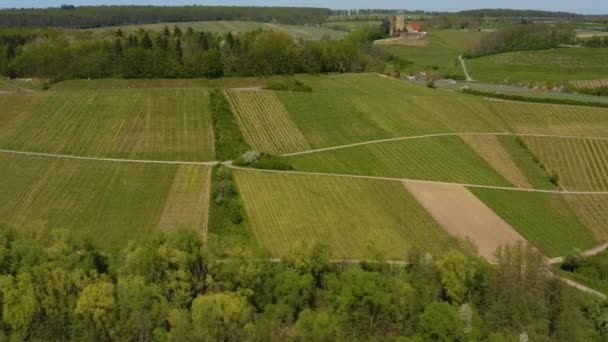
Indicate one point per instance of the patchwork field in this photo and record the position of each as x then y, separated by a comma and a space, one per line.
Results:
464, 216
265, 123
590, 84
356, 108
447, 159
356, 218
544, 219
441, 53
557, 65
581, 164
225, 26
535, 118
167, 124
111, 202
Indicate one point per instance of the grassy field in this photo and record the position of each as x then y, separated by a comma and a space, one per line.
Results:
265, 123
447, 159
225, 82
352, 25
440, 54
557, 65
110, 202
362, 107
356, 218
581, 164
223, 26
172, 124
546, 220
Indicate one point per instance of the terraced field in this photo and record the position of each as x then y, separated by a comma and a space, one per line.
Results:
168, 124
557, 65
225, 26
265, 123
447, 159
581, 164
110, 202
356, 218
546, 220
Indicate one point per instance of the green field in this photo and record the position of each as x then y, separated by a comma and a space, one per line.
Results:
557, 65
363, 107
352, 25
355, 218
581, 164
441, 53
171, 124
108, 201
536, 118
546, 220
447, 159
223, 26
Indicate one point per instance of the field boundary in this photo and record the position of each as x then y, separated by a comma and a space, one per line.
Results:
370, 142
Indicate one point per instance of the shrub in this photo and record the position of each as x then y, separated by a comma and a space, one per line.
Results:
554, 179
263, 161
431, 84
289, 85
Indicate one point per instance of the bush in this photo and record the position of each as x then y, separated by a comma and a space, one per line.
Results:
431, 84
289, 85
263, 161
554, 179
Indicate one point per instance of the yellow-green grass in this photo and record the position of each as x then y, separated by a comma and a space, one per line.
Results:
110, 202
352, 25
592, 209
546, 220
225, 26
356, 218
525, 162
533, 118
165, 124
440, 54
581, 164
265, 123
557, 65
446, 159
363, 107
590, 83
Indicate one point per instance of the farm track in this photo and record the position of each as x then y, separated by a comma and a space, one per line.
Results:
464, 68
339, 147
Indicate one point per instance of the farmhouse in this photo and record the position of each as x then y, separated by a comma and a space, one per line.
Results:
399, 27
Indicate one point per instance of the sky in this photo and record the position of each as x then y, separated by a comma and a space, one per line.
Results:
578, 6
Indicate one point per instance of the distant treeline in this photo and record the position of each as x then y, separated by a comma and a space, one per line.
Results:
512, 13
523, 98
179, 54
524, 37
98, 16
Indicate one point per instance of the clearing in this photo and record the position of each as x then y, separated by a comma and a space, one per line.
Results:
464, 216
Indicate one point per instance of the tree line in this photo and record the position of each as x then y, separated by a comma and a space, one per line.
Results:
99, 16
54, 286
176, 53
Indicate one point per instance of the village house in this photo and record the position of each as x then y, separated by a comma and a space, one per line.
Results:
400, 27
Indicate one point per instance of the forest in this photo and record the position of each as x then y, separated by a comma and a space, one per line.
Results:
173, 53
97, 16
56, 286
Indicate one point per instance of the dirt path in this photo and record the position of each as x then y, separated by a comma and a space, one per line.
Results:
413, 137
143, 161
464, 68
590, 252
464, 216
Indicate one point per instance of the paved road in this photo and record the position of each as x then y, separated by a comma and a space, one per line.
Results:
464, 68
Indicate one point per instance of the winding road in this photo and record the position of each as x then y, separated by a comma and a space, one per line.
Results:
464, 68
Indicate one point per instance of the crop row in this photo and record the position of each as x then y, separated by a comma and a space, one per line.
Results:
265, 123
355, 218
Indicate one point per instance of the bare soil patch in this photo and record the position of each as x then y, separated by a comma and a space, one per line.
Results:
464, 216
